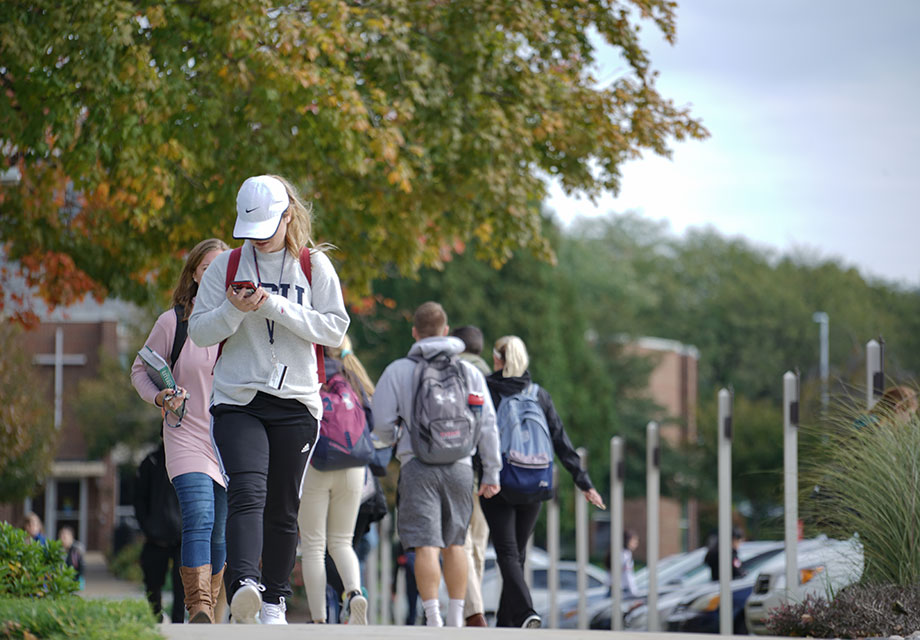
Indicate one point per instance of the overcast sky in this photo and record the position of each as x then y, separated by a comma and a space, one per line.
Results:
814, 111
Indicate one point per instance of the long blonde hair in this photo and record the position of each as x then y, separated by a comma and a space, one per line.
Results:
513, 353
352, 368
186, 289
300, 228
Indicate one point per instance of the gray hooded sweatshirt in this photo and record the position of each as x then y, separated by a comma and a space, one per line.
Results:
392, 405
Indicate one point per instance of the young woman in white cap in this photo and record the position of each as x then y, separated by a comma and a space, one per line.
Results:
268, 304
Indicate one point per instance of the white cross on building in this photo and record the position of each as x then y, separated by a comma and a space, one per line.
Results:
59, 359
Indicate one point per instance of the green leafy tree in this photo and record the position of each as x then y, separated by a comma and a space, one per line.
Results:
414, 127
27, 433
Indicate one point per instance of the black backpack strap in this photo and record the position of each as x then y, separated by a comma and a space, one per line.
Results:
179, 338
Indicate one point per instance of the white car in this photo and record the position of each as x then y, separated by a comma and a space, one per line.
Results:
823, 572
538, 559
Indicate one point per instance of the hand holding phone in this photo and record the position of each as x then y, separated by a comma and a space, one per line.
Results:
239, 285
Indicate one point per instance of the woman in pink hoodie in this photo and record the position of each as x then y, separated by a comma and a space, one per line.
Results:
191, 461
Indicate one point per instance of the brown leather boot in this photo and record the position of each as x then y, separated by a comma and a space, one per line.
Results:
218, 596
197, 583
476, 620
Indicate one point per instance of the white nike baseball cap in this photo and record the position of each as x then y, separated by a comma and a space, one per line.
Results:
259, 206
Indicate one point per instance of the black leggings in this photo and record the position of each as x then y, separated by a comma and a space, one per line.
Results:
263, 450
510, 526
155, 563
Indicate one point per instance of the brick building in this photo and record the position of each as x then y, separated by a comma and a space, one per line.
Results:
672, 385
79, 492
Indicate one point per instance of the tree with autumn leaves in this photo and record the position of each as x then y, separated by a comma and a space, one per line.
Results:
414, 126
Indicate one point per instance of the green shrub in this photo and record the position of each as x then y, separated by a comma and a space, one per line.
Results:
73, 617
126, 564
29, 569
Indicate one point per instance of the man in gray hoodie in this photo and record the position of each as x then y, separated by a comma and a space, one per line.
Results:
434, 501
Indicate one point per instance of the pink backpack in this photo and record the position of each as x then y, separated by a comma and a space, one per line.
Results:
344, 439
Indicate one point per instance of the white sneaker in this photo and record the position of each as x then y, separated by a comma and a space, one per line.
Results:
273, 613
246, 602
356, 609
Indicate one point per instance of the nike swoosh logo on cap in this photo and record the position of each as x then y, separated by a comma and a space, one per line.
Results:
251, 210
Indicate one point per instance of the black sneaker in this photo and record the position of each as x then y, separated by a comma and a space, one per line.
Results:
533, 621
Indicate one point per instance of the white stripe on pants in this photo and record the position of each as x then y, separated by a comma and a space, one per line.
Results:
328, 511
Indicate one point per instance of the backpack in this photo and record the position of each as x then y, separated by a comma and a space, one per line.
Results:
526, 444
344, 440
179, 337
443, 428
233, 263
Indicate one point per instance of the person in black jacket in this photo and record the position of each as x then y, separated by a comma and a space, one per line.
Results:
156, 508
712, 554
511, 514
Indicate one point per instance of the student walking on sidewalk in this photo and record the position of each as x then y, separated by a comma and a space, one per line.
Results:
513, 513
332, 496
269, 303
434, 406
191, 461
477, 537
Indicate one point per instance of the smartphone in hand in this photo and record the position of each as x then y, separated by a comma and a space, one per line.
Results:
238, 285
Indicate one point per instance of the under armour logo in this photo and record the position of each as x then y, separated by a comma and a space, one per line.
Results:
440, 398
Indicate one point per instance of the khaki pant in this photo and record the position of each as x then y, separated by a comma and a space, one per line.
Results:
477, 537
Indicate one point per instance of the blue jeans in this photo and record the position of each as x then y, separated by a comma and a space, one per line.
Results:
203, 503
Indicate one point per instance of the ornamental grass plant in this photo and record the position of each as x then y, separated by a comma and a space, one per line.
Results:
861, 474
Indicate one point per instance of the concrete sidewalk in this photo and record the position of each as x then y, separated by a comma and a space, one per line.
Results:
100, 583
354, 632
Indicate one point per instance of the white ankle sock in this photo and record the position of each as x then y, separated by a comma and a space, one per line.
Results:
432, 613
455, 613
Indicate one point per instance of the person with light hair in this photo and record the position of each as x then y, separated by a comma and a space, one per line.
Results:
330, 503
512, 514
268, 304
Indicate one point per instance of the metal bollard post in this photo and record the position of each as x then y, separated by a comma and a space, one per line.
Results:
652, 499
386, 556
581, 546
725, 511
791, 477
373, 578
617, 474
552, 547
875, 371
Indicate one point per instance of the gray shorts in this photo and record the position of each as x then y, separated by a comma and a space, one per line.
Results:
435, 504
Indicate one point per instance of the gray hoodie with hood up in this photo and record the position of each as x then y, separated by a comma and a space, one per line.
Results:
392, 405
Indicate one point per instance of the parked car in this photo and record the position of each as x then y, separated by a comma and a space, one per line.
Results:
671, 570
698, 612
752, 555
822, 573
598, 582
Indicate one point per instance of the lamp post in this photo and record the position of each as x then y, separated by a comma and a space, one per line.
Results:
822, 319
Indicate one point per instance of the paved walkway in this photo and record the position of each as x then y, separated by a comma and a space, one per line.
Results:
350, 632
100, 583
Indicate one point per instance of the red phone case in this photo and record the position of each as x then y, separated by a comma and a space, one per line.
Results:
243, 284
